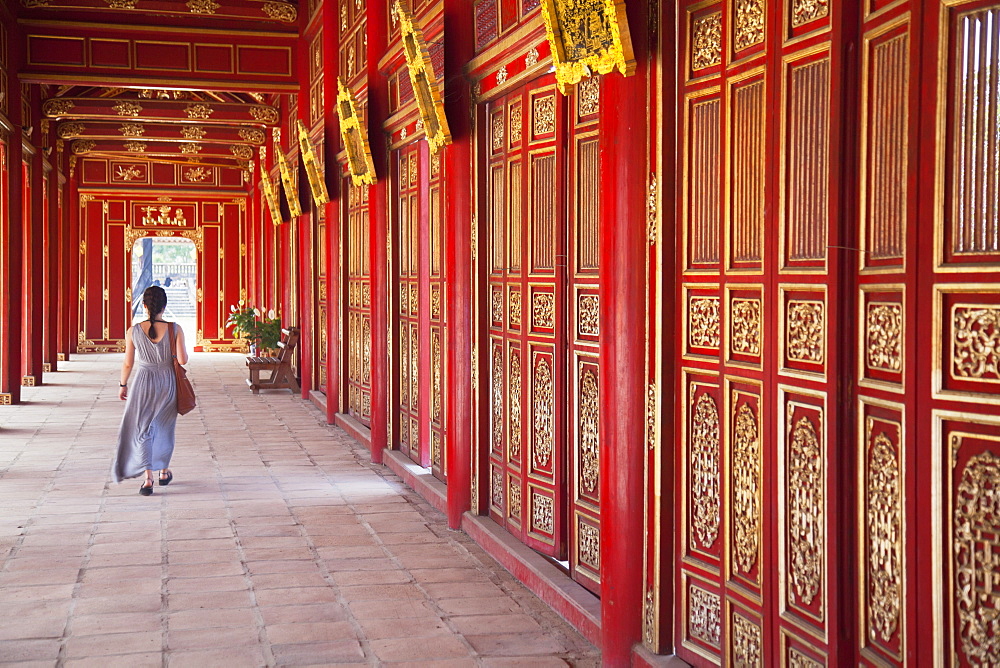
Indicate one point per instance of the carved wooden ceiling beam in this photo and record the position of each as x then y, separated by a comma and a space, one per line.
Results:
160, 111
161, 132
268, 11
135, 148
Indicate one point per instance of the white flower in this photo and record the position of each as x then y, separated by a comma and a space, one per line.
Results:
270, 314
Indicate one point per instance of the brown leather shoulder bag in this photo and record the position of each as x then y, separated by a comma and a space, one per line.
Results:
185, 392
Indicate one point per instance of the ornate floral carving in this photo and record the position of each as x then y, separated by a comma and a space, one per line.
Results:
57, 107
132, 129
202, 6
541, 512
976, 543
649, 620
135, 146
404, 367
706, 41
651, 209
496, 488
190, 147
70, 130
884, 527
514, 307
514, 498
280, 11
703, 322
252, 135
705, 616
496, 385
745, 326
975, 342
797, 659
126, 108
514, 426
543, 310
435, 302
241, 151
544, 114
366, 350
805, 339
515, 123
129, 172
746, 489
651, 416
749, 23
590, 448
705, 500
590, 546
544, 410
589, 315
806, 526
196, 174
502, 75
497, 305
531, 58
198, 111
414, 365
746, 643
82, 146
588, 95
884, 340
497, 132
804, 11
436, 376
193, 132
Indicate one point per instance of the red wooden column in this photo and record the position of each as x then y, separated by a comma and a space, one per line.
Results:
458, 223
623, 259
33, 290
52, 254
71, 297
378, 230
67, 248
11, 264
331, 143
307, 263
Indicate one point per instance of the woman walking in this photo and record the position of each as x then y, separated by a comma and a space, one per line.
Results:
146, 435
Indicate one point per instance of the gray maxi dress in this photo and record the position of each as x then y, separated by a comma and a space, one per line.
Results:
146, 435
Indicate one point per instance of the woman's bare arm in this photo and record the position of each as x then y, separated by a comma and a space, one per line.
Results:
126, 365
180, 349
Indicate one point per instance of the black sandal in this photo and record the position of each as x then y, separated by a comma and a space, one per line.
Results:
147, 491
166, 481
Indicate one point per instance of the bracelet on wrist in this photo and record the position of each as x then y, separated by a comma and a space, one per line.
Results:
122, 384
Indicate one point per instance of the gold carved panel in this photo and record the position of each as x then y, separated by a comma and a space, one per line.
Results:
514, 406
543, 406
706, 41
541, 513
746, 643
746, 486
587, 36
884, 335
703, 322
805, 512
706, 507
704, 616
589, 416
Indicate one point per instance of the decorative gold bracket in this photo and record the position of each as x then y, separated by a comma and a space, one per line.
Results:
291, 189
269, 195
317, 182
353, 131
426, 88
587, 36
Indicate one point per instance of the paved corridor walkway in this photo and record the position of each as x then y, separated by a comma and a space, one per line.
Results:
278, 543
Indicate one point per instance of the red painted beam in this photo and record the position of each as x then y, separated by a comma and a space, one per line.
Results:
63, 52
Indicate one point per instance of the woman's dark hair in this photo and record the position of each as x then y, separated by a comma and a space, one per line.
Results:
155, 299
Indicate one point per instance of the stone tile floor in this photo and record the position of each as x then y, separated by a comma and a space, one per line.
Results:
277, 544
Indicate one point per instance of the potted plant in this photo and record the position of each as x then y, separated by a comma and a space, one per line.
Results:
269, 331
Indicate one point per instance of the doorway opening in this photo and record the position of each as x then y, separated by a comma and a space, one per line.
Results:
171, 263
